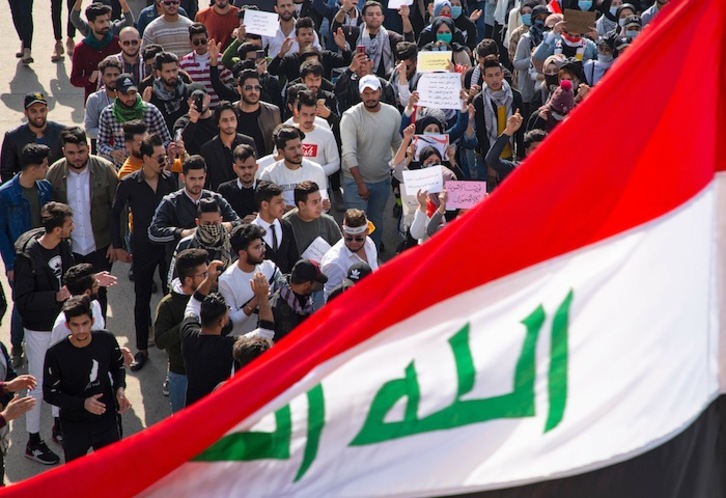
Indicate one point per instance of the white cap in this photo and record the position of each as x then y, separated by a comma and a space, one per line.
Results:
369, 81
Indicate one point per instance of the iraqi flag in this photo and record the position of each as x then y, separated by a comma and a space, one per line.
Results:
562, 339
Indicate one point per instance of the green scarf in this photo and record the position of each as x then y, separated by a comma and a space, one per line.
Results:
123, 114
97, 44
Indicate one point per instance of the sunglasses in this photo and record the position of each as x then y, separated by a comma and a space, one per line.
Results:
199, 41
161, 160
170, 2
357, 239
249, 88
126, 43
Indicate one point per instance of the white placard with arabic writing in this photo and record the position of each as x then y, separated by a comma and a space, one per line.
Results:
439, 90
430, 179
261, 23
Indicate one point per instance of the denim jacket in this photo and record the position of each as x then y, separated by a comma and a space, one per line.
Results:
15, 217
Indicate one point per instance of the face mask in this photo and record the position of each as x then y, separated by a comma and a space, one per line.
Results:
444, 37
621, 22
456, 11
539, 23
605, 58
584, 4
431, 133
631, 33
551, 80
527, 19
613, 11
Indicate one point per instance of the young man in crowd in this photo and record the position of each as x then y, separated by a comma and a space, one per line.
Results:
280, 244
240, 192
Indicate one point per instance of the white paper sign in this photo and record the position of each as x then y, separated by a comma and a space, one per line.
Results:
439, 90
397, 4
430, 179
316, 250
261, 23
432, 61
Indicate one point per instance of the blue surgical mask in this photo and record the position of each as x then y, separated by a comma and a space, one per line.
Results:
613, 11
444, 37
621, 22
631, 33
539, 23
584, 4
527, 19
456, 11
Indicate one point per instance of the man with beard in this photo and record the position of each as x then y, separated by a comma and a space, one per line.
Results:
37, 130
234, 284
240, 192
220, 19
256, 119
87, 183
99, 44
286, 11
127, 106
198, 126
171, 30
134, 133
167, 92
218, 152
379, 42
292, 304
110, 68
370, 133
175, 217
143, 190
130, 54
43, 257
293, 168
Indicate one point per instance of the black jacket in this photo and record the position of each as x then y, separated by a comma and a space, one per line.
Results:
36, 283
18, 138
287, 253
219, 159
242, 201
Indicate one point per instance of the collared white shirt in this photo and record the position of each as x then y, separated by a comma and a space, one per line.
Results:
78, 189
194, 201
253, 187
268, 230
339, 259
274, 43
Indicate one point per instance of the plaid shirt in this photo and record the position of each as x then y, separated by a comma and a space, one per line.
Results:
111, 132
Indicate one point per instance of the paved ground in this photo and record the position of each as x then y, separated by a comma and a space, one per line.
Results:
66, 106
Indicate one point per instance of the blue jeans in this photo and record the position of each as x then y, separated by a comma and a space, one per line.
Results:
375, 205
177, 391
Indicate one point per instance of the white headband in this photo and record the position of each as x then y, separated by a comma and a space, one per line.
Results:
355, 230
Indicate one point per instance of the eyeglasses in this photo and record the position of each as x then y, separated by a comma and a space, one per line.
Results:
161, 159
126, 43
351, 239
204, 274
170, 2
199, 41
249, 88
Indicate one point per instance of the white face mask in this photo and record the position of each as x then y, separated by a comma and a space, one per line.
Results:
605, 58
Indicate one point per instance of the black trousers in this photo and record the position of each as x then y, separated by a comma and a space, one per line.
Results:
78, 438
55, 15
100, 262
22, 13
147, 257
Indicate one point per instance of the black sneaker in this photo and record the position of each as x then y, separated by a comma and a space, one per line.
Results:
165, 388
57, 435
41, 454
139, 362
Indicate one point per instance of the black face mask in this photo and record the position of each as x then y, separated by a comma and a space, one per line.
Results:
552, 80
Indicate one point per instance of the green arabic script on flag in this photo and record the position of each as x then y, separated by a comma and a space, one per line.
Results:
520, 403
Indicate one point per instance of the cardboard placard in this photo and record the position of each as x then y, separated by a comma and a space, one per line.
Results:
578, 21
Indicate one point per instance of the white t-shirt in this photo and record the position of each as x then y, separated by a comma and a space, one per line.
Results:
234, 285
60, 331
318, 122
287, 178
319, 147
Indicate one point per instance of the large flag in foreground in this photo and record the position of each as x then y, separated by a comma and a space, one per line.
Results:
560, 340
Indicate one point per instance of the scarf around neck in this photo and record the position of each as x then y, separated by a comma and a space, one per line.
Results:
171, 99
378, 48
504, 97
97, 44
292, 300
122, 113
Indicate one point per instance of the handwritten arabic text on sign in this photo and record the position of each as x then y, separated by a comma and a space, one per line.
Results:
261, 23
432, 61
439, 90
430, 179
464, 195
